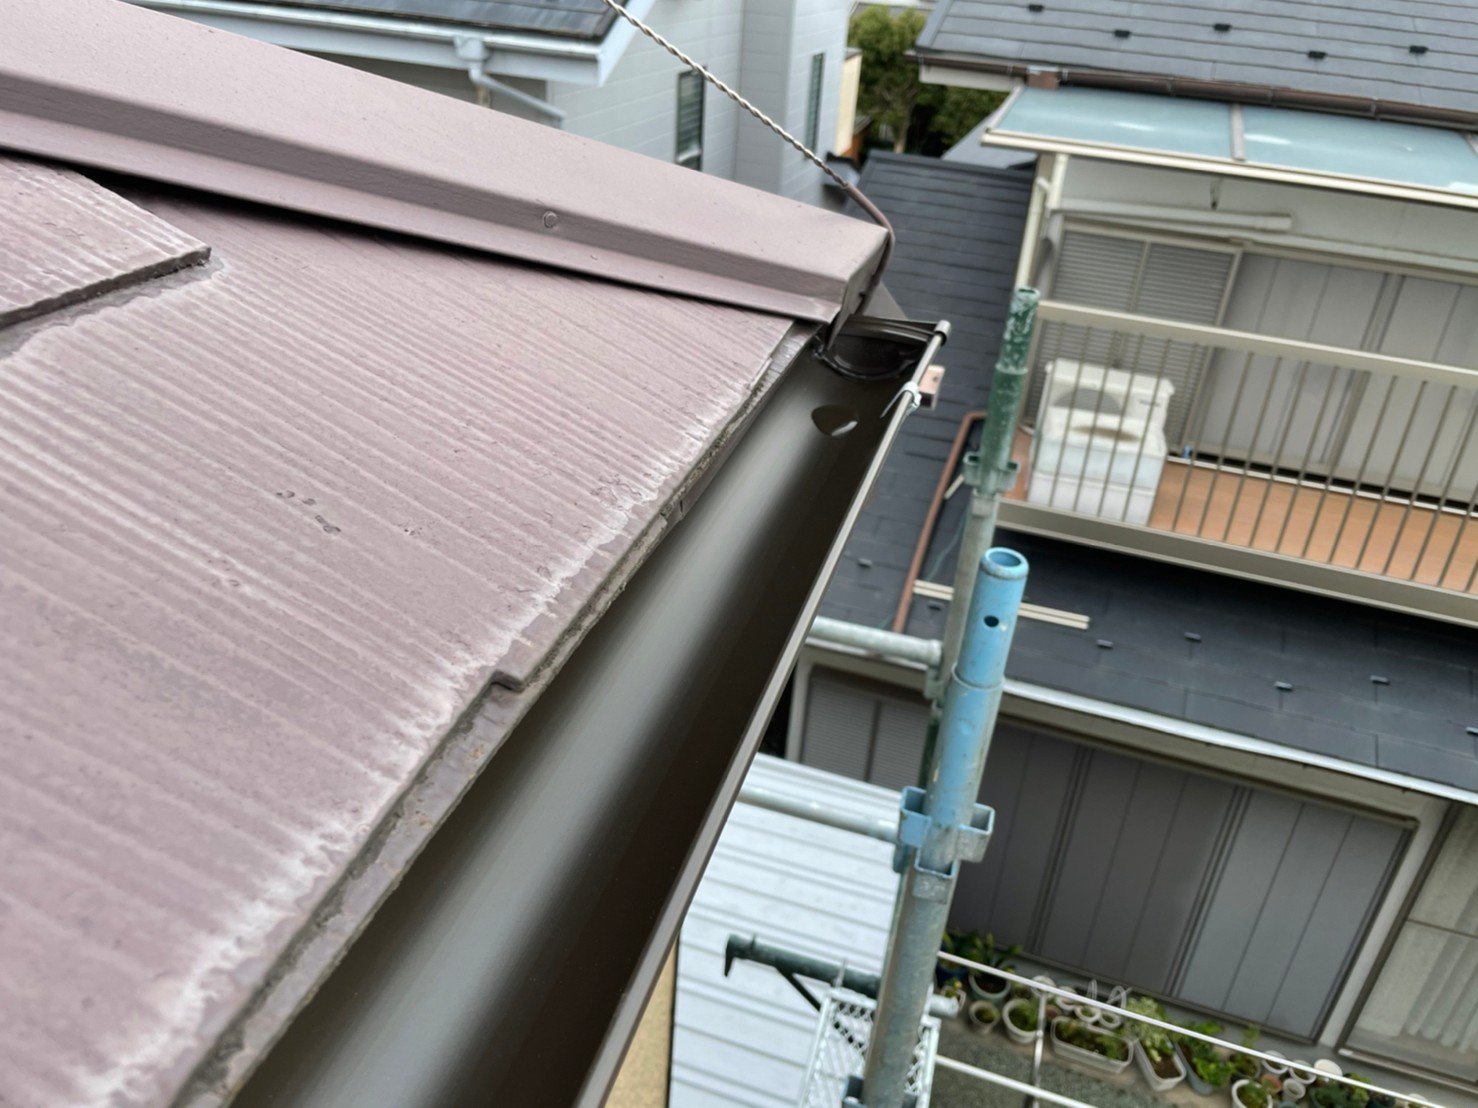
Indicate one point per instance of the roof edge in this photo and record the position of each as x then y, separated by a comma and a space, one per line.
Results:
239, 118
1274, 96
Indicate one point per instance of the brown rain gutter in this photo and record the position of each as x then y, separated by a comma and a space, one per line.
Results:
1243, 93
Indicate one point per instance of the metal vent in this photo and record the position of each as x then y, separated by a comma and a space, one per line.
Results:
840, 1049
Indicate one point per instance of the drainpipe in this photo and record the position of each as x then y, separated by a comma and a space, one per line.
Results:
474, 52
942, 825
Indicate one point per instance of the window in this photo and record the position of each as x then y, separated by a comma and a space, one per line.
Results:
813, 100
1423, 1010
689, 120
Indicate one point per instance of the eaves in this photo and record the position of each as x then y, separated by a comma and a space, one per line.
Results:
1274, 96
414, 42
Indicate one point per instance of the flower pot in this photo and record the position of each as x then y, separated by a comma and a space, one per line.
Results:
1016, 1033
1293, 1089
1277, 1069
1238, 1086
1090, 1058
984, 1015
989, 987
1156, 1082
1192, 1078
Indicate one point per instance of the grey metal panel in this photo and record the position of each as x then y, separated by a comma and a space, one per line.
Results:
1298, 881
1153, 814
898, 742
1027, 781
1237, 903
1086, 862
1181, 872
839, 726
1291, 902
1335, 927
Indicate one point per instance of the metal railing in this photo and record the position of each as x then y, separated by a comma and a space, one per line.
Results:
1041, 989
1342, 471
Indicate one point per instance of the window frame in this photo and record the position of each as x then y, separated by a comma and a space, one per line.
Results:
815, 92
688, 146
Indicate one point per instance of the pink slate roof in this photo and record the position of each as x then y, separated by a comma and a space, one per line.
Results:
315, 438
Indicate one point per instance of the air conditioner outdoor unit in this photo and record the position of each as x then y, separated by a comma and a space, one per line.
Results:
1100, 445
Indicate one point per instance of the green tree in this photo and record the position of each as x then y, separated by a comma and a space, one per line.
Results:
889, 88
890, 94
953, 111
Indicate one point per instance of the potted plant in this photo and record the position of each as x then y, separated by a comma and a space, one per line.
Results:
1207, 1066
954, 990
984, 1015
962, 944
989, 986
1249, 1093
1334, 1095
1100, 1050
1245, 1065
1154, 1051
1020, 1019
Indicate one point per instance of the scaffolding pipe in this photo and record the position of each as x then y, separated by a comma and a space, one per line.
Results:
943, 825
873, 640
816, 812
990, 472
791, 964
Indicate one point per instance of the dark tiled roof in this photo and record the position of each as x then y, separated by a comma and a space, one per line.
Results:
1317, 675
1404, 51
581, 19
959, 232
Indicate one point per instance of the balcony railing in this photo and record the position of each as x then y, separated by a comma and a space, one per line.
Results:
1339, 471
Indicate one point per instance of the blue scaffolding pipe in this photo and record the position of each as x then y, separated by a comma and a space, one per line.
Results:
942, 824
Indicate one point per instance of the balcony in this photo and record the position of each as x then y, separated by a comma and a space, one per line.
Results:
1334, 470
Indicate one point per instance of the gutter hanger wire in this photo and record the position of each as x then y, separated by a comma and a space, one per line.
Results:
850, 189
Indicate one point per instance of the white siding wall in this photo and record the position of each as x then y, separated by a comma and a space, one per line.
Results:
448, 82
1360, 226
820, 27
636, 109
780, 37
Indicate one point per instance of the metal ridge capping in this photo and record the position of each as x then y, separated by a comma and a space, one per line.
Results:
185, 104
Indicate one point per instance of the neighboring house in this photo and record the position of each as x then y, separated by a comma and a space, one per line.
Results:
403, 546
575, 64
1237, 767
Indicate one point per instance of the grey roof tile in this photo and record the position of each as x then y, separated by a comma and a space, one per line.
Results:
1400, 756
1365, 42
959, 229
579, 19
1301, 733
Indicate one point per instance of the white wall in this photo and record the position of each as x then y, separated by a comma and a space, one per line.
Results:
761, 47
636, 109
1366, 229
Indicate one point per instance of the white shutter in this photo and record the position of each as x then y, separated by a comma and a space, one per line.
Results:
839, 724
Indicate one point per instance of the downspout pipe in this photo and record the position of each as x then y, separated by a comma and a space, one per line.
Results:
943, 825
474, 52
